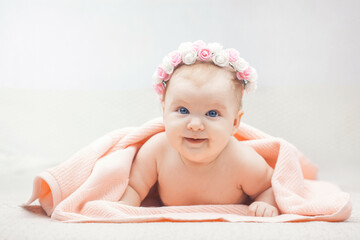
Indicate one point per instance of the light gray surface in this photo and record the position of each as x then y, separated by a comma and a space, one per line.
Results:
40, 129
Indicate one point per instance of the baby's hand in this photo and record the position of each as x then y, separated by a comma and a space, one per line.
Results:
262, 209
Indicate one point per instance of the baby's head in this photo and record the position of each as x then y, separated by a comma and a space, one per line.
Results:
201, 97
205, 82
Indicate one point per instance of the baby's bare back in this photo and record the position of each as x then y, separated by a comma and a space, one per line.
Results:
217, 183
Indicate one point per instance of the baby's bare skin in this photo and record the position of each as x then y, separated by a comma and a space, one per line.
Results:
215, 183
197, 160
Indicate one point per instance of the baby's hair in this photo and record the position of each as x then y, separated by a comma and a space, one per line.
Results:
199, 66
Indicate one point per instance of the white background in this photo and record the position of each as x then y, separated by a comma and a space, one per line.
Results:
107, 44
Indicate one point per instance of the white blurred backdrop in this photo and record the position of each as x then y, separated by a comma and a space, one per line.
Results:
108, 44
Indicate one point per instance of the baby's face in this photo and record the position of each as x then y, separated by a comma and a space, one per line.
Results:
200, 112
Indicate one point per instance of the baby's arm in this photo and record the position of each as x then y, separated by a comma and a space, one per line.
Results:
143, 174
257, 185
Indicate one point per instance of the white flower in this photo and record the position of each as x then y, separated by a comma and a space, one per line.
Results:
251, 87
215, 47
188, 55
167, 65
185, 45
240, 65
221, 58
156, 78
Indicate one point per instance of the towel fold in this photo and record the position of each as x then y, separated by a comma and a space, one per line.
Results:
88, 186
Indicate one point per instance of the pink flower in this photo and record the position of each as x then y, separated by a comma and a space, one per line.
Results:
244, 75
159, 88
162, 74
204, 53
233, 54
175, 58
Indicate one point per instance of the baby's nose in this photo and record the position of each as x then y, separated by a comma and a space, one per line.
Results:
195, 124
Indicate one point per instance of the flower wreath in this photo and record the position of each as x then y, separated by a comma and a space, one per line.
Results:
189, 52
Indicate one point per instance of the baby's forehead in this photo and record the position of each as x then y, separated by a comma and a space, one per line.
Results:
201, 87
204, 77
204, 73
207, 96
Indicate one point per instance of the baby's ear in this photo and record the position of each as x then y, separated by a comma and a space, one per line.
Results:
237, 120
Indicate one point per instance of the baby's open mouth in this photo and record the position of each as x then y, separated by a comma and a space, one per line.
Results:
195, 140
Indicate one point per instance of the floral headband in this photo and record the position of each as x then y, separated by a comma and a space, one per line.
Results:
188, 53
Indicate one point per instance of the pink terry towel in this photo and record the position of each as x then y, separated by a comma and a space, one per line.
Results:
88, 186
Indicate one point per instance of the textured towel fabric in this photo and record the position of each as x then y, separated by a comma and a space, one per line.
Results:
88, 186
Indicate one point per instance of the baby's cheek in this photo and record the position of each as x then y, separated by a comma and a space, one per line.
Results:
220, 139
172, 137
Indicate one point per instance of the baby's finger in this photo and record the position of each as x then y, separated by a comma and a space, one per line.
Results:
275, 212
260, 211
268, 212
252, 209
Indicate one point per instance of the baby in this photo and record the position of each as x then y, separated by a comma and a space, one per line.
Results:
197, 160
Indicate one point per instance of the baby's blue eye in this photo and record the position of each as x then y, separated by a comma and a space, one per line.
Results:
183, 110
212, 113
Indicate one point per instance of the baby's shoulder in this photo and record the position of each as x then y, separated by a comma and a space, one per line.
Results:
248, 160
155, 143
241, 152
158, 138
